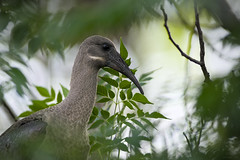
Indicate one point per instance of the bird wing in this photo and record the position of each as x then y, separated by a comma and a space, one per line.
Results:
22, 138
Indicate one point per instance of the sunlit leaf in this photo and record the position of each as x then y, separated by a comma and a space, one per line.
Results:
25, 114
140, 113
141, 98
130, 115
43, 91
59, 97
65, 91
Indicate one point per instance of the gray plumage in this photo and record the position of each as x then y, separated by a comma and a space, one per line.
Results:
60, 132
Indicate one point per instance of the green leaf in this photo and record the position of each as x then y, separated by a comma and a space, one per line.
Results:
95, 147
141, 98
139, 124
130, 115
135, 104
96, 124
19, 35
91, 119
129, 125
140, 113
105, 114
111, 94
155, 115
123, 50
128, 105
110, 81
37, 105
145, 76
148, 122
65, 91
59, 97
25, 114
95, 111
111, 119
101, 90
4, 19
121, 118
103, 100
123, 147
125, 84
111, 71
129, 93
53, 94
128, 61
122, 95
33, 45
43, 91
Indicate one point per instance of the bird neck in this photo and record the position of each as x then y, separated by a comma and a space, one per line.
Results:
80, 101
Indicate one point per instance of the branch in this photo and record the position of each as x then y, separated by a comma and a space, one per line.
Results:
174, 43
201, 43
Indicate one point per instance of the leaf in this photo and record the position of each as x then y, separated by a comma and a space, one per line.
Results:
121, 118
129, 125
139, 124
4, 19
96, 124
33, 45
43, 91
103, 100
65, 91
111, 94
123, 50
148, 122
145, 76
37, 105
95, 111
125, 84
91, 119
95, 147
19, 35
130, 115
110, 81
140, 113
59, 97
128, 61
101, 90
129, 93
128, 105
111, 71
52, 93
123, 147
155, 115
105, 114
25, 114
111, 119
141, 98
122, 95
18, 78
133, 103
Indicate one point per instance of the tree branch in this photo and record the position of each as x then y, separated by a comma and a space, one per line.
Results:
201, 63
201, 43
174, 43
9, 110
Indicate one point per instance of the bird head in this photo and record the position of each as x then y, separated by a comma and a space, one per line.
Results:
101, 52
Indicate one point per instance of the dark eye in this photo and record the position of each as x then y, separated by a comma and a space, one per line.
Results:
105, 47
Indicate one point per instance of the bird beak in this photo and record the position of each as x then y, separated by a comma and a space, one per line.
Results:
117, 63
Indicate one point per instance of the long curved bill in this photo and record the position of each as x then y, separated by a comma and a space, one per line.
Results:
117, 63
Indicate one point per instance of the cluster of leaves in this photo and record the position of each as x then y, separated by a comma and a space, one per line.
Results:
119, 125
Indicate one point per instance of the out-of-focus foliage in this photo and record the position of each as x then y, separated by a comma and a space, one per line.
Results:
120, 125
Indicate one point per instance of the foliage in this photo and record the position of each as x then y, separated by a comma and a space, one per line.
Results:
120, 125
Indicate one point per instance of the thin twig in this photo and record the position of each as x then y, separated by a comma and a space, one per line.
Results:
201, 43
175, 44
188, 142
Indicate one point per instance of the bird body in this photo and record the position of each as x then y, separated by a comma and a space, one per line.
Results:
60, 132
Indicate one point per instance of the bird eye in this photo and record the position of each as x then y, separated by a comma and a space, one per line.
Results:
105, 47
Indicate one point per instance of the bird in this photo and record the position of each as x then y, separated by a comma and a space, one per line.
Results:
60, 132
